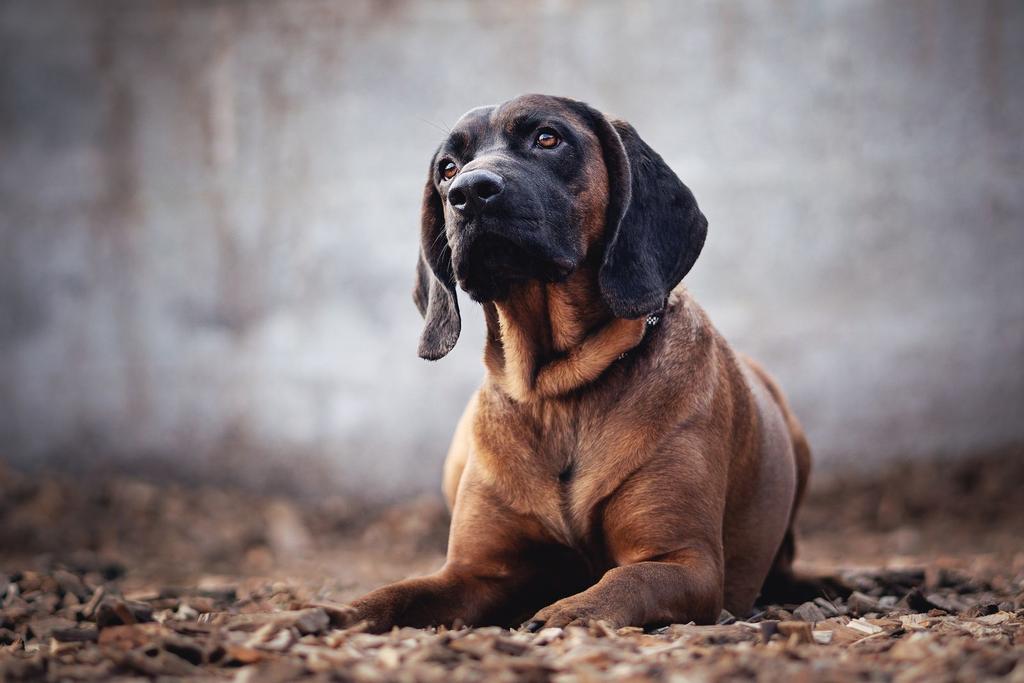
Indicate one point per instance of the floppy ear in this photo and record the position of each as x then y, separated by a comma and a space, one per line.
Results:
434, 292
654, 231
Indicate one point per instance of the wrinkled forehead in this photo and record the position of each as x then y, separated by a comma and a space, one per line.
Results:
484, 126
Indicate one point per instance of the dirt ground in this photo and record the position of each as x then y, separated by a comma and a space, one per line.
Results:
126, 578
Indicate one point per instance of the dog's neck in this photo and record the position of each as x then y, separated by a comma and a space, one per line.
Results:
550, 339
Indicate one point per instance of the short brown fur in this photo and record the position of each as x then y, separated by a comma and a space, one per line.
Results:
659, 486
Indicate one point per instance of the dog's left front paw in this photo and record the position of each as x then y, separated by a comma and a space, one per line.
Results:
573, 611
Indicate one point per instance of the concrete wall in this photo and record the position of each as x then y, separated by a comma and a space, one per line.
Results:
208, 214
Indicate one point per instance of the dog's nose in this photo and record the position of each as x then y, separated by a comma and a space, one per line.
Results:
473, 190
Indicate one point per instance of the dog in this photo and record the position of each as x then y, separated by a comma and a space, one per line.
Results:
620, 462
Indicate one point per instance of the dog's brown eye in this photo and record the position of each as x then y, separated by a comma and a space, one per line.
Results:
449, 169
547, 139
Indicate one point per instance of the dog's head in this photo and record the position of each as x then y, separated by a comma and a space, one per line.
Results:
526, 190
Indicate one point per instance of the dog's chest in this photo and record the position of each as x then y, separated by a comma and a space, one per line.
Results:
563, 472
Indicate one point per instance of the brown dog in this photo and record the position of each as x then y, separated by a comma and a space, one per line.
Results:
620, 461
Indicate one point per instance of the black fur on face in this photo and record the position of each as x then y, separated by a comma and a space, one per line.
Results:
525, 230
503, 204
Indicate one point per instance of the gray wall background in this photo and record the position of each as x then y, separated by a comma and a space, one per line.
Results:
208, 214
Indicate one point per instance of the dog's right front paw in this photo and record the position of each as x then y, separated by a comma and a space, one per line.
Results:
378, 612
341, 615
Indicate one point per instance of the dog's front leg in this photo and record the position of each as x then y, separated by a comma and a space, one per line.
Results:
442, 598
494, 572
683, 587
663, 532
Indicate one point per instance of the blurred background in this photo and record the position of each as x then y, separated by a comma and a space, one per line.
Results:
209, 219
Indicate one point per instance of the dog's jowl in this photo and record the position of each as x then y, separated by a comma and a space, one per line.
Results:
620, 461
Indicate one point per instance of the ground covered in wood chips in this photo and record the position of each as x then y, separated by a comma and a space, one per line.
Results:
127, 578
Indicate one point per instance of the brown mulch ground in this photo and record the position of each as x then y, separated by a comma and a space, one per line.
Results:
122, 578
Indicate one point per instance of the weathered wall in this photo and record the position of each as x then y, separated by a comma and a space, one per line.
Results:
209, 211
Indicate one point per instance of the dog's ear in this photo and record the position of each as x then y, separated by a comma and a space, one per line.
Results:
434, 292
654, 230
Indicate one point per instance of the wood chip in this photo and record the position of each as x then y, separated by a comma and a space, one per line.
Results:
796, 632
810, 612
995, 619
864, 626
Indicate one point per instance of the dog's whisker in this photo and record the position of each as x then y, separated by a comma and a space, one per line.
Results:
443, 129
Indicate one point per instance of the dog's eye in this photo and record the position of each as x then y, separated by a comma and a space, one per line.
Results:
548, 139
448, 169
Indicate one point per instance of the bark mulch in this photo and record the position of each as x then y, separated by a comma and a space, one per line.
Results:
173, 583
